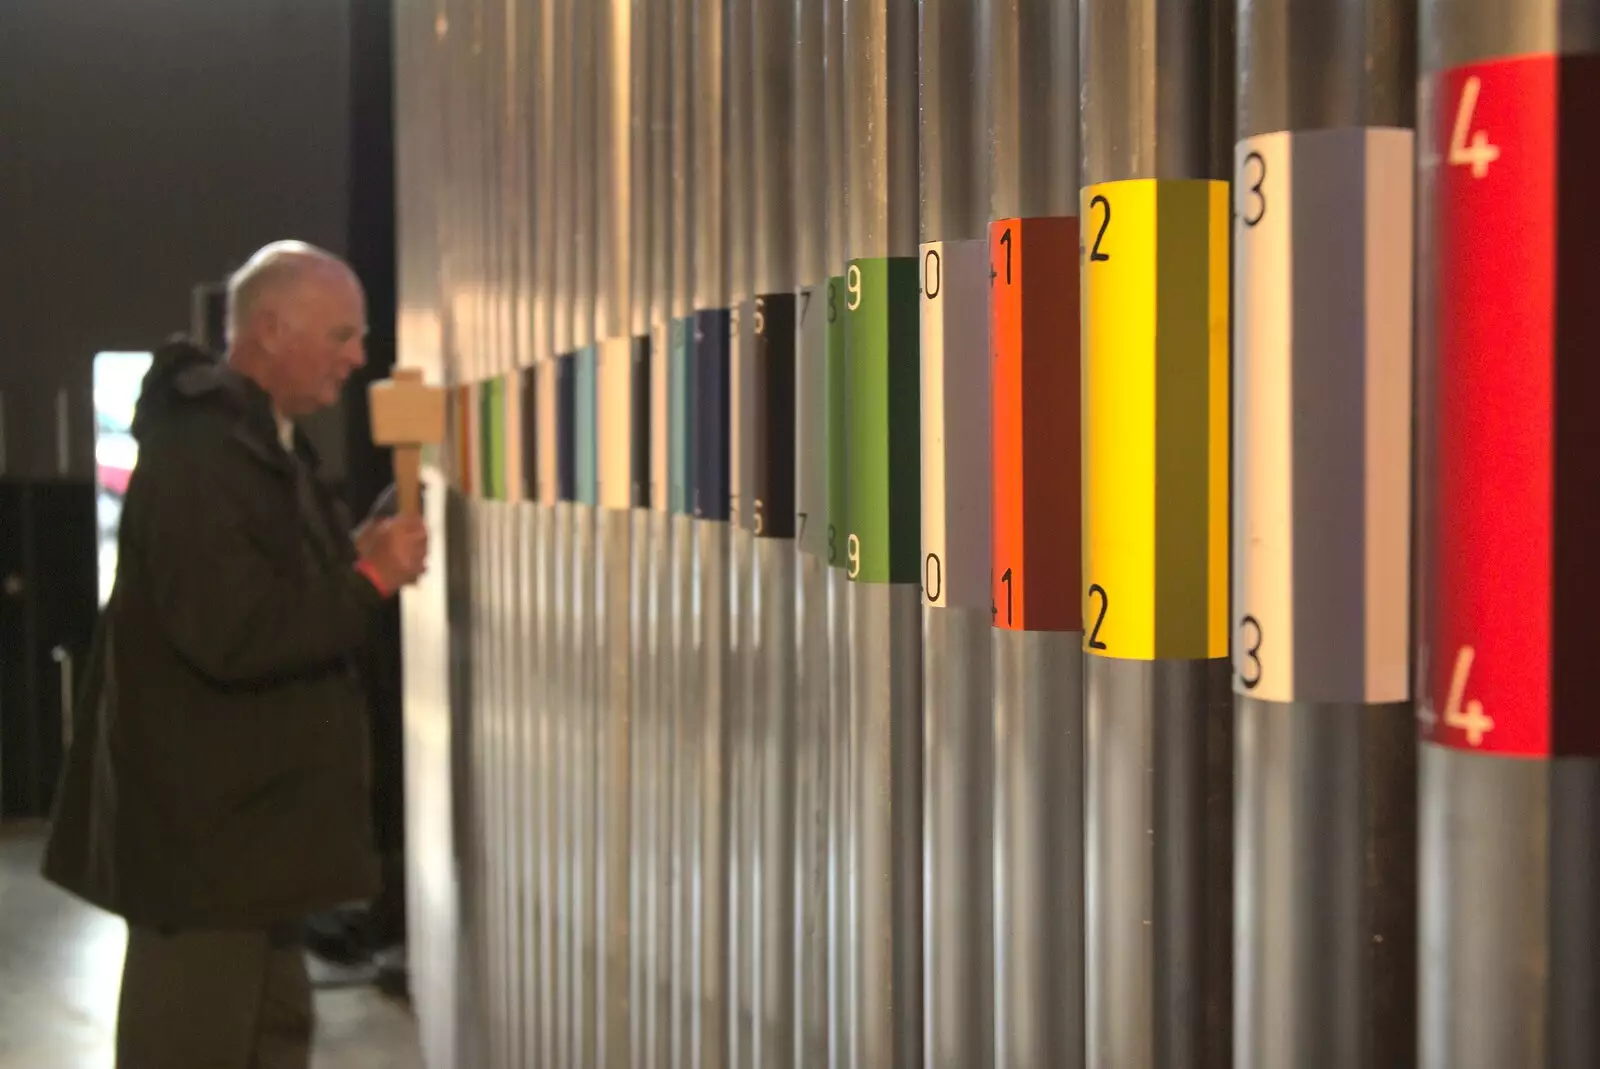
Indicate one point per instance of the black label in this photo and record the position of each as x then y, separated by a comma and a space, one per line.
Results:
639, 416
530, 436
567, 427
708, 417
772, 417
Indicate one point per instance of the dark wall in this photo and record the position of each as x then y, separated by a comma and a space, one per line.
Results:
147, 146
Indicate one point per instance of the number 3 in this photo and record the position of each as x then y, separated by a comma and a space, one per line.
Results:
1254, 652
1250, 220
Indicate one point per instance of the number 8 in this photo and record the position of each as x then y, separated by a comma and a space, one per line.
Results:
853, 281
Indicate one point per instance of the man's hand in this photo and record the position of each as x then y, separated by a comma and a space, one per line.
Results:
397, 549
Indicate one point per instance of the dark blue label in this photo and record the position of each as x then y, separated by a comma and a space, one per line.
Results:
567, 427
639, 416
708, 417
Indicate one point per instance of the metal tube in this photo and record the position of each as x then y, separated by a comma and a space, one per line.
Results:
772, 499
841, 1009
1156, 80
743, 716
1509, 756
707, 397
652, 558
1325, 931
813, 665
617, 305
1035, 567
958, 770
882, 445
679, 670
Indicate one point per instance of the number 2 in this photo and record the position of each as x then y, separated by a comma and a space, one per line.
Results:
1095, 255
1099, 621
1481, 153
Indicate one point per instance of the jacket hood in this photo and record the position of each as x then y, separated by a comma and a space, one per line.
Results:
183, 374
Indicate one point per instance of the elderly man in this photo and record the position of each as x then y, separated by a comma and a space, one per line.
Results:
216, 793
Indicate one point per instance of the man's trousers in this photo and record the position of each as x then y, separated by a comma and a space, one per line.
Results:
214, 1000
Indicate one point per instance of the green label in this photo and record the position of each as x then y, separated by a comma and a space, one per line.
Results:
837, 529
883, 438
491, 429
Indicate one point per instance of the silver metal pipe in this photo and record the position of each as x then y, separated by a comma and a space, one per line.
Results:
1510, 766
813, 666
1156, 81
1036, 532
707, 397
617, 306
743, 716
547, 652
773, 647
840, 940
1325, 878
958, 769
679, 676
882, 444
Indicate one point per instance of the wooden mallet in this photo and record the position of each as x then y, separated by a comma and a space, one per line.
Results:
406, 414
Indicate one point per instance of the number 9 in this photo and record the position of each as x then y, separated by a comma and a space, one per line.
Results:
853, 281
853, 550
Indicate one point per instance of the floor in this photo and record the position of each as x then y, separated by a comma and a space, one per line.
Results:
60, 962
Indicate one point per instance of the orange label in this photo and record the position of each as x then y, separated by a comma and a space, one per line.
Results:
1035, 424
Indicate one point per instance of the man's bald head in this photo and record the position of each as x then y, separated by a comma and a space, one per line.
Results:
296, 321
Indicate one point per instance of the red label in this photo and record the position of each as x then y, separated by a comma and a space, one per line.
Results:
1515, 422
1035, 425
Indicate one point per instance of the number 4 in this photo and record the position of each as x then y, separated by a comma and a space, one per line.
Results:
1481, 153
1472, 721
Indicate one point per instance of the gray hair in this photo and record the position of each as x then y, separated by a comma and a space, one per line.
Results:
271, 268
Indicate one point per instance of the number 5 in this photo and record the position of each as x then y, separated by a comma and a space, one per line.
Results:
1482, 153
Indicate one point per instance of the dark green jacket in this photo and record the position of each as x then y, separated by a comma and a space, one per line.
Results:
218, 774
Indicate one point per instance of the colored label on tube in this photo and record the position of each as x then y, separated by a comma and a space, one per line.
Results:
1036, 436
708, 416
679, 351
615, 425
883, 441
586, 463
772, 417
548, 388
1322, 415
660, 358
954, 423
741, 412
640, 438
811, 422
1507, 344
1155, 340
528, 431
566, 427
838, 529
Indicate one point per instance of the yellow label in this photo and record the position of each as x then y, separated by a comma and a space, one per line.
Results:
1155, 418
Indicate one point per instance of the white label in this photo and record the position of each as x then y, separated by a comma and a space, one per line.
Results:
1322, 403
954, 314
614, 424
